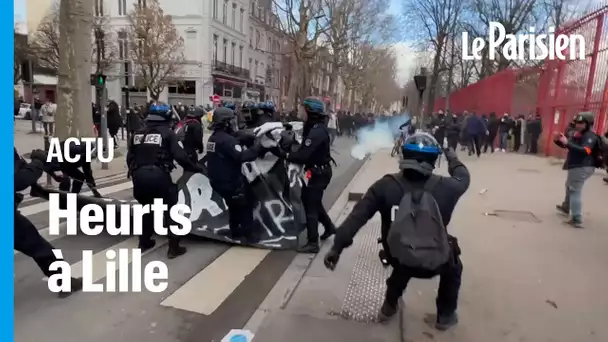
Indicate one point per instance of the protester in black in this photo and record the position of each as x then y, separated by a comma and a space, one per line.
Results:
420, 154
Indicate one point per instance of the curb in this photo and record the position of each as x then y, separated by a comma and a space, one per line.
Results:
288, 283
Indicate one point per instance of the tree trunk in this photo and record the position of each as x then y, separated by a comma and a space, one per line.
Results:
293, 82
74, 117
434, 80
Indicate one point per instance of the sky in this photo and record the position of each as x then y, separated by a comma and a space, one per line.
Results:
20, 15
406, 55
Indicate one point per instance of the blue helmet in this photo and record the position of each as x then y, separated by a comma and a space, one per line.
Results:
159, 111
267, 106
229, 105
313, 105
249, 111
420, 152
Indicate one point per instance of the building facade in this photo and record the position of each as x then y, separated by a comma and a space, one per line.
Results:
228, 48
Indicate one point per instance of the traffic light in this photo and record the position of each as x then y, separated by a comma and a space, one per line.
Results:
98, 80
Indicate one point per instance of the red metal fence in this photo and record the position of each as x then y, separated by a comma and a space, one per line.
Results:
557, 91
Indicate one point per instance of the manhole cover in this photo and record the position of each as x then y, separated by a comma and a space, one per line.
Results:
528, 170
516, 215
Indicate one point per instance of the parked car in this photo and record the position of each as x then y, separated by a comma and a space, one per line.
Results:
25, 111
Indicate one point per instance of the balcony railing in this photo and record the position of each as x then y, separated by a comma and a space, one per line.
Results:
230, 69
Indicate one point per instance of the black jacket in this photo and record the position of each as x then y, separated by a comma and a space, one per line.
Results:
580, 150
385, 193
26, 175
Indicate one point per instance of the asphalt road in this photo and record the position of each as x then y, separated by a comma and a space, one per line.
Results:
212, 289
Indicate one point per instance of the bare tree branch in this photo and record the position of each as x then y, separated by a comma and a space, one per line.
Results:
155, 46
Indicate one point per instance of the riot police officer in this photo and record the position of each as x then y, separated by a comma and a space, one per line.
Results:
420, 154
27, 239
150, 159
224, 158
193, 134
266, 112
314, 154
249, 114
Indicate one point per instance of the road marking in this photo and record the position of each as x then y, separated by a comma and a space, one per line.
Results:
44, 232
208, 289
99, 259
100, 184
44, 206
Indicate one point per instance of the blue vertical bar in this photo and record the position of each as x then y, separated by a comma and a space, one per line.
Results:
7, 36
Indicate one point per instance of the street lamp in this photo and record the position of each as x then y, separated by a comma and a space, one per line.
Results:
420, 81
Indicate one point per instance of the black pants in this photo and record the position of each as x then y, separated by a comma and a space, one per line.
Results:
149, 183
29, 242
453, 142
240, 212
74, 178
489, 142
312, 200
475, 145
533, 144
450, 277
516, 143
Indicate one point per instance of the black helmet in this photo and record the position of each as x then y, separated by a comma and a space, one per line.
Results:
198, 112
420, 153
586, 117
249, 110
158, 111
223, 118
313, 105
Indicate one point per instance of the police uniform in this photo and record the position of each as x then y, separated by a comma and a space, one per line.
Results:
382, 197
314, 154
27, 239
150, 159
224, 159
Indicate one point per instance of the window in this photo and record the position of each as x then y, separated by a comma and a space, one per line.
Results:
225, 12
122, 7
215, 38
251, 37
257, 68
233, 24
191, 46
99, 8
257, 39
240, 56
241, 22
225, 50
253, 5
233, 53
214, 9
122, 45
184, 87
251, 68
269, 45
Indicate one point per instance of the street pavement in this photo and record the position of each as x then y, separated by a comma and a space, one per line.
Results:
527, 277
228, 283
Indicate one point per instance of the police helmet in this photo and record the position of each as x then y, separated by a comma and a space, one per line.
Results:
159, 111
248, 110
420, 152
586, 117
313, 105
229, 105
198, 112
223, 118
267, 107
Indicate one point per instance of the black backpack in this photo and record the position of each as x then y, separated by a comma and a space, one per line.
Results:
417, 237
600, 152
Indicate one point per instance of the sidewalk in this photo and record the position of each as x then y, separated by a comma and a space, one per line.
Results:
527, 277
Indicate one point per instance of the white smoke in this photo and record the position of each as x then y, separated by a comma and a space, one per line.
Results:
380, 135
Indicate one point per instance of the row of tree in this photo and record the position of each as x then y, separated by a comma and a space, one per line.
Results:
437, 26
352, 37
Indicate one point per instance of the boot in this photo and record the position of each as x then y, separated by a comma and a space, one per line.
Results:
563, 209
175, 249
444, 322
387, 311
328, 233
76, 285
309, 248
146, 245
575, 222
